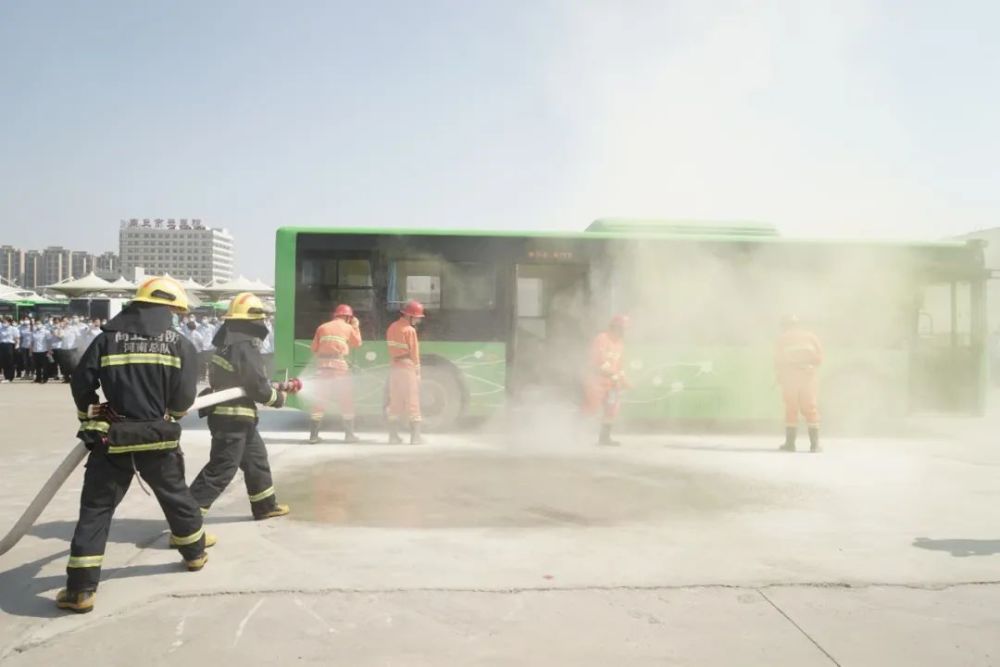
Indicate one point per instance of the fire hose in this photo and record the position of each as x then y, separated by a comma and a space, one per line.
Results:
79, 452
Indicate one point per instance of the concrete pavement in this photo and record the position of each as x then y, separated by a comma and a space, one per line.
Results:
480, 549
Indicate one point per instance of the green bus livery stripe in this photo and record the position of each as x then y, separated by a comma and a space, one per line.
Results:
143, 447
140, 358
222, 363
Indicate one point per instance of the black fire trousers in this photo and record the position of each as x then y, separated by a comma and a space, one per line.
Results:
236, 444
7, 360
105, 482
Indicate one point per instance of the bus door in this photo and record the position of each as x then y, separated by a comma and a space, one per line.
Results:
945, 369
551, 326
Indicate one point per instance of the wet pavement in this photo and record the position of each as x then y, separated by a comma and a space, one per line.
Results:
496, 490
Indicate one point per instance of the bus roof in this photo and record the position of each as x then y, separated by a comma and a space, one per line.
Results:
619, 228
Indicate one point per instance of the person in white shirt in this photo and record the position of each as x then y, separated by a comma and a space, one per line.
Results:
66, 355
10, 336
24, 361
41, 352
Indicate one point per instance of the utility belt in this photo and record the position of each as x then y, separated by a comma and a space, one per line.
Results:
130, 436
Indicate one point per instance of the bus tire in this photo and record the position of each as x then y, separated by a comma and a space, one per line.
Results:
441, 397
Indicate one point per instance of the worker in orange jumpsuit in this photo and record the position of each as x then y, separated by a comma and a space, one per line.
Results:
606, 377
404, 372
798, 354
331, 345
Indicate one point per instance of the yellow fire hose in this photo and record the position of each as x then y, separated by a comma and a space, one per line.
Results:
69, 464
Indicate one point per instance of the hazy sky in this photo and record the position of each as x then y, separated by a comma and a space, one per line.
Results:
836, 118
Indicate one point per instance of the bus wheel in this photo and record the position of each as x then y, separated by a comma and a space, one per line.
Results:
440, 398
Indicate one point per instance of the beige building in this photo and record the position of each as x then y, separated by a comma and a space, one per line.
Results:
181, 247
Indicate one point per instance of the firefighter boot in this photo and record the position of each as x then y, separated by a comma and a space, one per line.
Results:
789, 446
349, 435
814, 440
197, 563
605, 437
279, 510
314, 434
80, 602
394, 438
415, 438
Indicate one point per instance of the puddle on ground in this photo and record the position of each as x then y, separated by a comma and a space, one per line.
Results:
491, 490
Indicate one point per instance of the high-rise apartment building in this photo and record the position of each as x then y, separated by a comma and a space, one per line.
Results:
55, 265
108, 266
11, 264
31, 278
181, 247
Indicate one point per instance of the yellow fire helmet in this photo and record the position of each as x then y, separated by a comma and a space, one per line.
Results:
162, 291
246, 306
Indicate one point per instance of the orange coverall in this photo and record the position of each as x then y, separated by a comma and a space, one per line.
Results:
797, 357
331, 345
404, 374
605, 377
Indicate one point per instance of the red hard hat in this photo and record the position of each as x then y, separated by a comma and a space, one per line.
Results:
413, 309
343, 310
620, 322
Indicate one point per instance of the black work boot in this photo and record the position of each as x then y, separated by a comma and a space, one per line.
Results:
314, 434
394, 438
814, 440
789, 446
349, 435
605, 437
415, 438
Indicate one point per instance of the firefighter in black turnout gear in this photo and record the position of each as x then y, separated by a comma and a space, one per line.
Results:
148, 373
235, 441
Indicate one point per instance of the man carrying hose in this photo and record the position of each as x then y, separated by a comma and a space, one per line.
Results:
236, 443
148, 374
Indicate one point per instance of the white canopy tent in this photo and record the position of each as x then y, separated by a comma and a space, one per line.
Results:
89, 284
240, 284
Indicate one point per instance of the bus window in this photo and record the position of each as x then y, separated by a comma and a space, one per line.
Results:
945, 317
468, 286
414, 279
354, 273
324, 283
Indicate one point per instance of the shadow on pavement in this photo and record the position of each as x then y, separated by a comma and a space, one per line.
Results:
23, 589
140, 532
960, 548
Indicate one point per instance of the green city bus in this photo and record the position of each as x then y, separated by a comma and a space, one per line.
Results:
511, 315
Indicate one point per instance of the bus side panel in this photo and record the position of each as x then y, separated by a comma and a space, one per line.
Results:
284, 295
